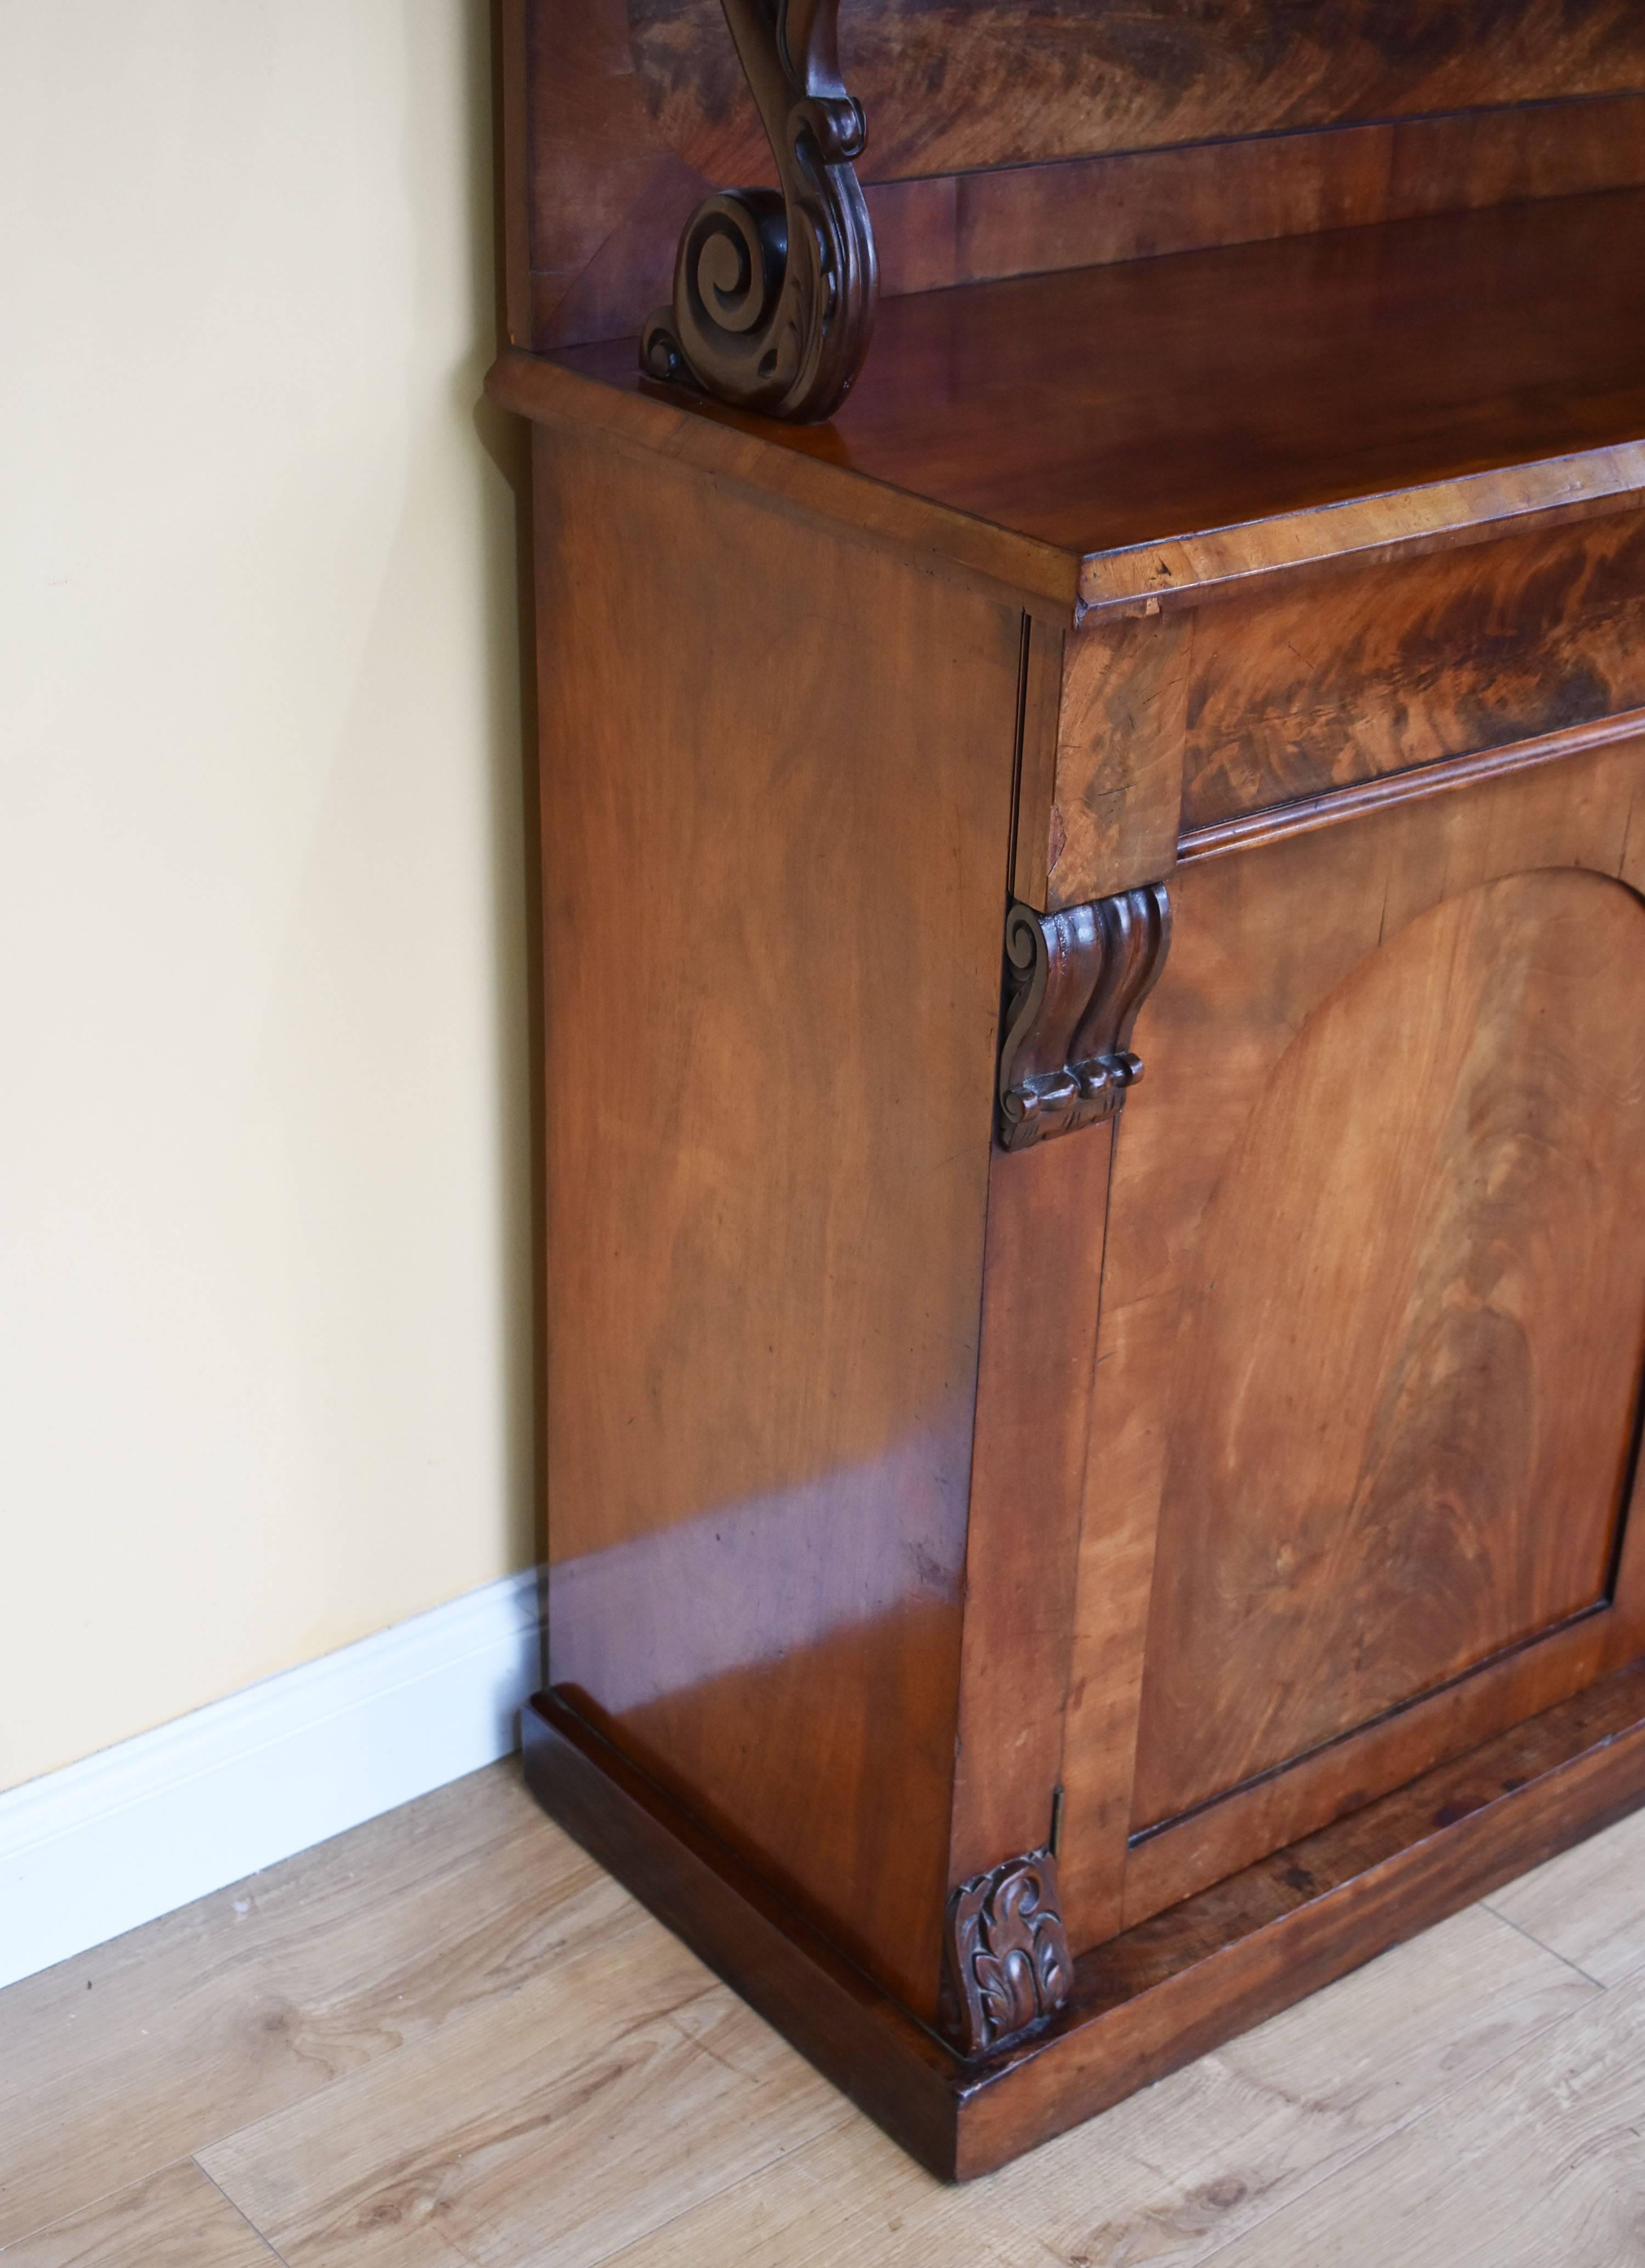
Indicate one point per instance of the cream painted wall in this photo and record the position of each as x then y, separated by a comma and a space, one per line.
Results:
263, 1210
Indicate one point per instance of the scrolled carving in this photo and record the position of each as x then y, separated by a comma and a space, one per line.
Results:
1007, 1962
774, 295
1078, 979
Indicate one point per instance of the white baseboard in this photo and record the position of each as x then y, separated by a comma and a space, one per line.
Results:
89, 1851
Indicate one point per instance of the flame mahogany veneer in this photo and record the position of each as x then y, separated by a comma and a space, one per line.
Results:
1092, 965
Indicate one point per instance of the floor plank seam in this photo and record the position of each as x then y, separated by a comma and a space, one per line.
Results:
1576, 1967
237, 2208
718, 2197
106, 2197
848, 2112
86, 2205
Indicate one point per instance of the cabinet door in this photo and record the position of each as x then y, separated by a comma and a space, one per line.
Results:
1369, 1381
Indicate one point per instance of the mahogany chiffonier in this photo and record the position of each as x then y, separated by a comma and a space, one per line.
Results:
1122, 547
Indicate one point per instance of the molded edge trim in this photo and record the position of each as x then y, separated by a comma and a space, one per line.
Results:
1376, 531
1248, 830
734, 445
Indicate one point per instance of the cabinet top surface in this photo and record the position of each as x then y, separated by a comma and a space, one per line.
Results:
1120, 407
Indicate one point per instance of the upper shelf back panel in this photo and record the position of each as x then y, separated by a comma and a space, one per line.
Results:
952, 85
632, 109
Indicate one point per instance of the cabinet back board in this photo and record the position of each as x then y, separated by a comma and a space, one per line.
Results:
1006, 137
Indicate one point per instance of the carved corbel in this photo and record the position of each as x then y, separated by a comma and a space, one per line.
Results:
1006, 1960
774, 294
1077, 980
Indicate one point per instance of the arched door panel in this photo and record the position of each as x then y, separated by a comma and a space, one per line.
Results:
1409, 1359
1367, 1390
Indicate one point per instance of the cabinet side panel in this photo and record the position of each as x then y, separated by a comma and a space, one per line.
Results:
777, 780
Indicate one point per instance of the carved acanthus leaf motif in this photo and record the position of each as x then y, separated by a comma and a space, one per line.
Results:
774, 295
1007, 1960
1078, 979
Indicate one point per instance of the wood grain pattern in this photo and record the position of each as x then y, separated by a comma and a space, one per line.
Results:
787, 937
1036, 762
1272, 940
939, 230
1138, 204
951, 87
1116, 804
1229, 396
1405, 1409
852, 2199
1042, 1296
1347, 1407
1266, 1813
1377, 672
1556, 2125
961, 553
512, 2140
847, 2026
175, 2219
147, 2049
1129, 1434
1175, 2173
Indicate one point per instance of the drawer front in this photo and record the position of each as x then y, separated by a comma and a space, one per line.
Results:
1377, 670
1169, 724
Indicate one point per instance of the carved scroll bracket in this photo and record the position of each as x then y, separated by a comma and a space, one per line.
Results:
1006, 1959
774, 295
1077, 980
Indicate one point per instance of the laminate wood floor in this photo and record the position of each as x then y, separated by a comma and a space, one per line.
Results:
448, 2038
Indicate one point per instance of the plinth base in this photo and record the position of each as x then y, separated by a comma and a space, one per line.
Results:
1147, 2002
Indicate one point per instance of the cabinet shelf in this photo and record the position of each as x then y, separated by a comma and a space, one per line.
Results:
1442, 374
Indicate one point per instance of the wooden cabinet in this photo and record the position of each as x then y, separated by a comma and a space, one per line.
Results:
1094, 986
